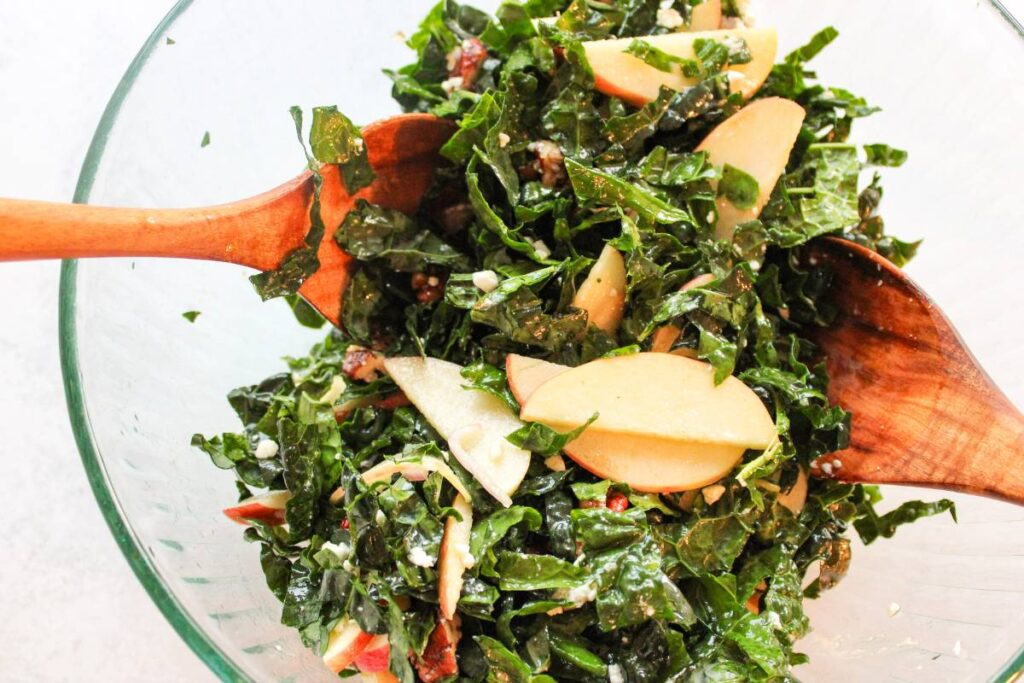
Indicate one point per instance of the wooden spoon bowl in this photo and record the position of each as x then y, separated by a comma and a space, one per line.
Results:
924, 411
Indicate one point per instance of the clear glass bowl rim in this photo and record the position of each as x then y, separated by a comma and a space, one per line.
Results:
219, 662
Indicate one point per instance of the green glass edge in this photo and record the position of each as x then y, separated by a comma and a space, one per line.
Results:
218, 662
211, 655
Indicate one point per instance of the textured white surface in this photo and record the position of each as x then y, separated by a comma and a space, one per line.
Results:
70, 608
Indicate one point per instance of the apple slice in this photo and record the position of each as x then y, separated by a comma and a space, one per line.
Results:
653, 464
620, 74
654, 394
266, 507
757, 140
526, 374
344, 644
455, 558
603, 294
379, 677
374, 657
707, 16
666, 335
413, 470
795, 498
478, 451
437, 388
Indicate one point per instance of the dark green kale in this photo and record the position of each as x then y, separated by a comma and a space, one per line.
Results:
581, 579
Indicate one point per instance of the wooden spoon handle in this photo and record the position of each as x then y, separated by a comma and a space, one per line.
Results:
257, 232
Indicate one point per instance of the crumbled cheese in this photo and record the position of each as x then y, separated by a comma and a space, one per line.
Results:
665, 4
894, 609
555, 462
418, 556
347, 566
542, 249
452, 59
450, 85
485, 280
711, 217
837, 464
380, 518
615, 674
815, 465
826, 467
503, 140
712, 493
335, 391
670, 18
775, 620
266, 449
342, 550
467, 557
358, 145
581, 595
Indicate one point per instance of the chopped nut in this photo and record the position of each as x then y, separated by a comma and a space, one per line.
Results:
712, 493
429, 288
438, 660
550, 163
487, 281
362, 364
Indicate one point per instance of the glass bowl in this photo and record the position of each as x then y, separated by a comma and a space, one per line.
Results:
940, 602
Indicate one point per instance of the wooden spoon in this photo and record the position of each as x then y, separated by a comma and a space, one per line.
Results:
924, 411
257, 232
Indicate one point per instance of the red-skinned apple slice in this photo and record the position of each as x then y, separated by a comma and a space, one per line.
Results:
344, 644
620, 74
374, 657
526, 374
437, 389
454, 556
603, 294
266, 507
645, 463
757, 140
657, 395
653, 464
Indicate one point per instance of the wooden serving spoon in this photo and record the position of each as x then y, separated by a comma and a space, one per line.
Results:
257, 232
925, 413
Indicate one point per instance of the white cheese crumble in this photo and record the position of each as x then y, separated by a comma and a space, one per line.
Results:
347, 566
342, 550
266, 449
837, 464
418, 556
670, 18
826, 467
450, 85
335, 391
581, 595
467, 557
542, 249
503, 140
485, 280
380, 518
358, 145
615, 674
712, 493
555, 463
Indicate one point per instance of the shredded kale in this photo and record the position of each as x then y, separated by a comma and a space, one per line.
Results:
580, 574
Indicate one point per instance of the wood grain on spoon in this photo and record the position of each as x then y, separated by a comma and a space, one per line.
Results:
257, 232
924, 411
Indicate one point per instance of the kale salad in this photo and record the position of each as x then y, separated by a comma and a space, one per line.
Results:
572, 426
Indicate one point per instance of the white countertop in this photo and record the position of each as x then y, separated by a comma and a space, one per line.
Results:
70, 608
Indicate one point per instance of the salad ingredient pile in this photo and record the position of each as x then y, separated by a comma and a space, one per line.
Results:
572, 427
